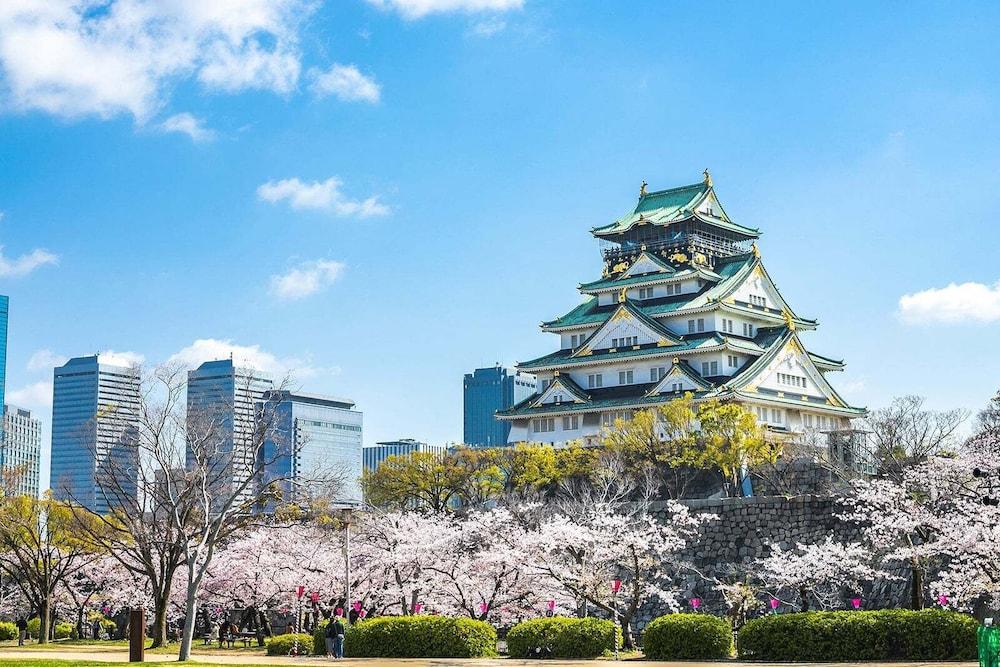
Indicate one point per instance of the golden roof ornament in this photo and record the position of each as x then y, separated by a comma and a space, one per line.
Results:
755, 250
708, 177
642, 189
623, 295
789, 320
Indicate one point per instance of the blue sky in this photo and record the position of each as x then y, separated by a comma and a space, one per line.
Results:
385, 194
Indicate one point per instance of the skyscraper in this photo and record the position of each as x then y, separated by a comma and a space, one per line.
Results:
20, 451
225, 397
95, 407
316, 439
4, 303
488, 390
380, 451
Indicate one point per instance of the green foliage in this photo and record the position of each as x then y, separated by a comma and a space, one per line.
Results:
734, 440
420, 637
565, 637
65, 630
283, 644
34, 626
831, 636
687, 637
8, 631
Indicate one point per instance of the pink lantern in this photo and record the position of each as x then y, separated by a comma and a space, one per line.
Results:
357, 606
417, 607
943, 600
339, 611
774, 603
696, 603
314, 596
362, 613
300, 591
616, 586
856, 603
551, 605
483, 607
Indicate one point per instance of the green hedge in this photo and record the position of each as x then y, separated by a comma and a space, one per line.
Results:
62, 630
415, 637
8, 631
564, 637
687, 637
832, 636
283, 644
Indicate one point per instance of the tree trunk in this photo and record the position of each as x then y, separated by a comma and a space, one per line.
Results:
44, 611
80, 632
626, 623
187, 637
159, 629
265, 623
804, 597
916, 586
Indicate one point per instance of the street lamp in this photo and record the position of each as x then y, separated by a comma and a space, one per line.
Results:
616, 586
347, 517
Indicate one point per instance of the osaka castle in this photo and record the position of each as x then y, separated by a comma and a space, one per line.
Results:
684, 304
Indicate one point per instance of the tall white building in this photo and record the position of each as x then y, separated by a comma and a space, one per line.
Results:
684, 304
20, 451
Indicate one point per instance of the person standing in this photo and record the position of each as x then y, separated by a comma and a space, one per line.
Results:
338, 638
22, 630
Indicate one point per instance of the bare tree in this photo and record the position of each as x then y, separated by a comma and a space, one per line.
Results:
905, 433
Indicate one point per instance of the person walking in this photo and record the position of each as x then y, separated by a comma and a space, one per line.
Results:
336, 628
22, 630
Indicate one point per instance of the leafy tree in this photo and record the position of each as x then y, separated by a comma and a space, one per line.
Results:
905, 433
663, 440
734, 441
425, 479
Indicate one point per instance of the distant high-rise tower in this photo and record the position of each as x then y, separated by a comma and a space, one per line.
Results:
226, 396
4, 302
95, 407
488, 390
20, 451
316, 439
380, 451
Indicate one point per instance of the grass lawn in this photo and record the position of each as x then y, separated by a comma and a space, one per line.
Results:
42, 662
100, 646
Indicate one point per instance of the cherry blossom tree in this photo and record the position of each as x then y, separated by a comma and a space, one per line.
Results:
817, 572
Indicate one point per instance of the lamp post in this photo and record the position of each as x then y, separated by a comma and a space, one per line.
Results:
616, 586
347, 517
299, 592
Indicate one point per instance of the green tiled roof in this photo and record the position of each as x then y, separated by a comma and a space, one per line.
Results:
606, 284
820, 360
667, 206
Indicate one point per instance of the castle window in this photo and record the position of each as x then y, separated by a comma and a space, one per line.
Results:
676, 387
733, 360
570, 423
777, 416
656, 374
673, 289
625, 377
595, 380
543, 425
645, 292
758, 300
709, 368
727, 326
748, 330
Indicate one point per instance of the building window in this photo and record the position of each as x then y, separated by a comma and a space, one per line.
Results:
624, 377
758, 301
572, 340
625, 341
777, 416
571, 423
807, 420
676, 387
544, 425
727, 326
645, 292
673, 289
656, 374
733, 360
761, 414
690, 326
594, 381
792, 380
709, 368
701, 324
748, 330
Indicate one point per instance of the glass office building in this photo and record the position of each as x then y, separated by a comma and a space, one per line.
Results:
224, 397
21, 450
4, 303
315, 448
487, 390
95, 407
380, 451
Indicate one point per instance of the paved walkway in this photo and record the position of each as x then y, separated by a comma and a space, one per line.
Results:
236, 659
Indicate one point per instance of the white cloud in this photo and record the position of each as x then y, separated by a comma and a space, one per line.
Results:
34, 397
321, 196
249, 356
93, 57
347, 83
187, 124
306, 279
955, 303
126, 359
488, 27
25, 264
45, 360
415, 9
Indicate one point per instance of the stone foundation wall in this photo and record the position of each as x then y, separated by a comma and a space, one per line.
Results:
743, 532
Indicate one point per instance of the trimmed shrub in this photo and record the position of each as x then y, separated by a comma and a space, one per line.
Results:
562, 637
833, 636
687, 637
65, 630
34, 626
283, 644
420, 637
8, 631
